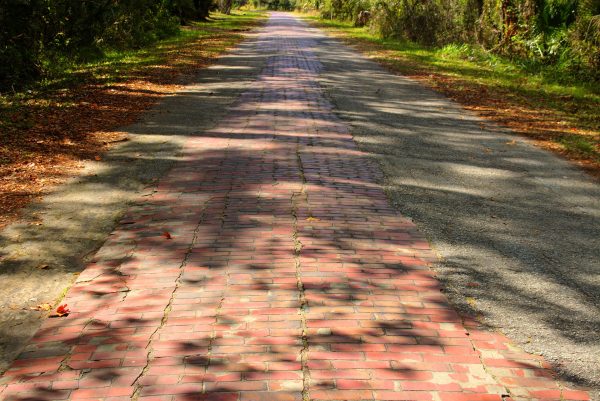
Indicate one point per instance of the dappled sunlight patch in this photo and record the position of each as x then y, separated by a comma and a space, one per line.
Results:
287, 275
47, 133
560, 118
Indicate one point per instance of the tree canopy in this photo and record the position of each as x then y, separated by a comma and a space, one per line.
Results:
38, 35
545, 31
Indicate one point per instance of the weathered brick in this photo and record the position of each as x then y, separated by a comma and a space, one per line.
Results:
287, 266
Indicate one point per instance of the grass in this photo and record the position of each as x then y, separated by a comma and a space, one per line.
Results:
118, 65
560, 112
49, 127
221, 32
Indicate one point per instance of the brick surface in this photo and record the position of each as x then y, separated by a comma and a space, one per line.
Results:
288, 276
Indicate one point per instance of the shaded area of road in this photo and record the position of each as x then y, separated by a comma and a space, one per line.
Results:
518, 228
42, 254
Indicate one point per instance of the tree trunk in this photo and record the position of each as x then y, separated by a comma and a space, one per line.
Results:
225, 6
202, 9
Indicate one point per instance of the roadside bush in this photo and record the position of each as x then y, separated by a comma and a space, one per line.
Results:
20, 28
428, 22
39, 36
585, 37
562, 34
344, 10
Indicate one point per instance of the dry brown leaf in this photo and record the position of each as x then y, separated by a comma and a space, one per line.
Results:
41, 307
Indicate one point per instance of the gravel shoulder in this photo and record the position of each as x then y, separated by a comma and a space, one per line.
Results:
41, 255
517, 229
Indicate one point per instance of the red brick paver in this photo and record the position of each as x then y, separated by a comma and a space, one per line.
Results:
288, 276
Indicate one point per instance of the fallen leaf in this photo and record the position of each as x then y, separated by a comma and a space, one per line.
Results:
61, 311
41, 307
167, 235
98, 158
312, 219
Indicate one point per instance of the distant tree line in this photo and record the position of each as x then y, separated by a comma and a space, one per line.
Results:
565, 32
286, 5
37, 35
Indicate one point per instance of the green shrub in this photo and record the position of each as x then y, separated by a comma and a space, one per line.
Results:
38, 37
562, 36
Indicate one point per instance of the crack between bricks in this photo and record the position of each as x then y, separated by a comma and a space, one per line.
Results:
218, 310
507, 392
122, 276
90, 280
562, 390
167, 310
213, 334
64, 364
298, 197
117, 270
129, 253
123, 279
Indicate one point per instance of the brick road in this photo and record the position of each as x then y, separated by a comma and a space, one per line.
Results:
288, 276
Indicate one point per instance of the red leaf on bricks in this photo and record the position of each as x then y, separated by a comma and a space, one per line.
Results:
61, 311
167, 235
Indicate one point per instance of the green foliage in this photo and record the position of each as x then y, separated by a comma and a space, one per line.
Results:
286, 5
38, 37
561, 34
20, 26
190, 10
579, 144
586, 34
427, 22
344, 10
